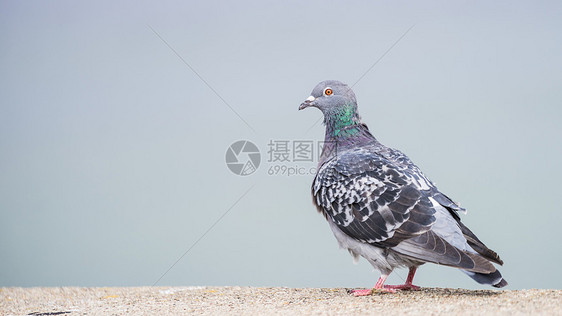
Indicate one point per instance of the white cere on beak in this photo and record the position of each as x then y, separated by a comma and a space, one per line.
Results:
310, 98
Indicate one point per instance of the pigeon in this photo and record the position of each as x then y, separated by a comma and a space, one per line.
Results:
380, 205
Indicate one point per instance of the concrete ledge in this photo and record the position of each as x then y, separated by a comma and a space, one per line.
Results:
265, 301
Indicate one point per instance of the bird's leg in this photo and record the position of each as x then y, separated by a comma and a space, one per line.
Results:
379, 287
408, 285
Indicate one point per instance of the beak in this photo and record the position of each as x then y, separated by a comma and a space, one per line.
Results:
308, 102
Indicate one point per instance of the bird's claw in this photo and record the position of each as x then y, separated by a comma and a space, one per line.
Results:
367, 292
403, 287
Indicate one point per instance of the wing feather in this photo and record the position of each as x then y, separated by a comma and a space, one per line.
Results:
371, 200
384, 199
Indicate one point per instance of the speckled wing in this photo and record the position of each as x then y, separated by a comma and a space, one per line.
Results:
403, 162
379, 197
371, 199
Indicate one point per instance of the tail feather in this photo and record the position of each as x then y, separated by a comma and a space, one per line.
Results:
494, 279
429, 247
479, 246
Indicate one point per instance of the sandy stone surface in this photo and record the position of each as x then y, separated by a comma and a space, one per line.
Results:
272, 301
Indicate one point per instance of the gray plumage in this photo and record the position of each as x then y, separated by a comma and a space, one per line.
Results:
380, 205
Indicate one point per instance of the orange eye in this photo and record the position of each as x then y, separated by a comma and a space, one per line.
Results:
328, 91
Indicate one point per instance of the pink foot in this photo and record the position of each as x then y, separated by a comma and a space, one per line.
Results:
361, 292
383, 290
408, 286
367, 292
404, 287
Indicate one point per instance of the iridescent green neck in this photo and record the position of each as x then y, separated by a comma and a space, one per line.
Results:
342, 122
344, 130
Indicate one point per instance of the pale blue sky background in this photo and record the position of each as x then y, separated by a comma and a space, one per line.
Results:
112, 150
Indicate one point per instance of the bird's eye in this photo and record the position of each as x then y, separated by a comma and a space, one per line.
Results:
328, 91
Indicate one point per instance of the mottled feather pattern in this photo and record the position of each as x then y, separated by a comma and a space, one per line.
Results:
384, 200
365, 193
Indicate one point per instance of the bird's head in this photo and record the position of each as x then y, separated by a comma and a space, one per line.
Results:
330, 95
337, 102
